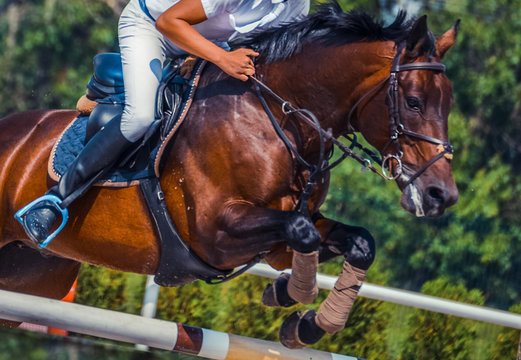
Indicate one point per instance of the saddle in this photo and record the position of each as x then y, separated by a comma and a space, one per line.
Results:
105, 100
142, 165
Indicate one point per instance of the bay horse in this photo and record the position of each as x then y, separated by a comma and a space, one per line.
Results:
230, 182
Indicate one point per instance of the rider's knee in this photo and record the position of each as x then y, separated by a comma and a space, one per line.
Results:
135, 122
362, 251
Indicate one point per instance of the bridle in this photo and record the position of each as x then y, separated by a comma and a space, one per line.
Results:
397, 128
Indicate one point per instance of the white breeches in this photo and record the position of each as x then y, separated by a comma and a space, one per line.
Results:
143, 52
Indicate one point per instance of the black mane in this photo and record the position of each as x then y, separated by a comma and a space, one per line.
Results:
329, 25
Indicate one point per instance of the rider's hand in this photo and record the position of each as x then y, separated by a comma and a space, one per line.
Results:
238, 63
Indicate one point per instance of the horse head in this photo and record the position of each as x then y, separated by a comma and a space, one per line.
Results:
388, 82
412, 135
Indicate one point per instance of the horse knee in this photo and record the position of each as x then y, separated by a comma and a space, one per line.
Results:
302, 235
362, 249
355, 243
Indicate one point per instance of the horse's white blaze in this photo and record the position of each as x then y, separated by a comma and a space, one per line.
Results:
417, 201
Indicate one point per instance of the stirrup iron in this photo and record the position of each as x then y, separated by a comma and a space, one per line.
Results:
51, 200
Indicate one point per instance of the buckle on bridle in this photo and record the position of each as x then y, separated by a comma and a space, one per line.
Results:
285, 108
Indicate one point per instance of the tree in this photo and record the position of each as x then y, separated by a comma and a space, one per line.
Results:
48, 64
436, 336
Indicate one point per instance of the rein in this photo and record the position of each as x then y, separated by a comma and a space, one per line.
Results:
322, 165
397, 129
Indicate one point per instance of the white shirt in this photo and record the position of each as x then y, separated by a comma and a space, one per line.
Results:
229, 19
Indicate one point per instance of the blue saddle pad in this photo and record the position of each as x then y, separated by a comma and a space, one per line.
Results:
71, 144
145, 163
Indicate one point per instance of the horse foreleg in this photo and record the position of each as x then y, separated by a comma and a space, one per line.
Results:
358, 248
260, 229
24, 269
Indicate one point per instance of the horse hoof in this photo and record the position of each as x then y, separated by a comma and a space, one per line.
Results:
289, 332
276, 293
300, 330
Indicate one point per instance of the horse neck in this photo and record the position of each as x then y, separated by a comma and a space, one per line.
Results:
329, 80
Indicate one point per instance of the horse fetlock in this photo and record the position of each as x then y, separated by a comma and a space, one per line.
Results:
300, 329
302, 235
276, 293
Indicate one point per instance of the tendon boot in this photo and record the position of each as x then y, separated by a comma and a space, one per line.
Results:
101, 152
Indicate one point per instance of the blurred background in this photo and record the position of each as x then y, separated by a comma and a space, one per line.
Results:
471, 254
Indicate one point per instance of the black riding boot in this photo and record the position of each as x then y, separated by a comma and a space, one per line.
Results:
102, 151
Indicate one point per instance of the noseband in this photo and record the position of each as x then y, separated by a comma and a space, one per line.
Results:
397, 128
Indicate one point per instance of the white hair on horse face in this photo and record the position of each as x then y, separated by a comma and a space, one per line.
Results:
415, 196
416, 199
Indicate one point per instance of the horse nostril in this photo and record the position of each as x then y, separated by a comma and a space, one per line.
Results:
436, 194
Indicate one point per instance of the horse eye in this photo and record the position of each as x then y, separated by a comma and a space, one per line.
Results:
413, 103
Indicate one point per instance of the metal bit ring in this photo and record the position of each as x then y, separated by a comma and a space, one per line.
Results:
399, 169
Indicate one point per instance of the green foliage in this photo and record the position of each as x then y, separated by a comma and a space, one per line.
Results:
47, 49
110, 289
507, 340
454, 338
486, 73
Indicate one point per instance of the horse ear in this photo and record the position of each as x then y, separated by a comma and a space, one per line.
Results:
419, 40
448, 39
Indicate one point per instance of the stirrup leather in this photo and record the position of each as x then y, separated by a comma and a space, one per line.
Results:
53, 200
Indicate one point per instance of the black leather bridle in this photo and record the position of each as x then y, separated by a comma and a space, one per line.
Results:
397, 129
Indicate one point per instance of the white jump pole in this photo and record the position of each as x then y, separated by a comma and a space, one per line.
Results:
410, 298
151, 332
149, 307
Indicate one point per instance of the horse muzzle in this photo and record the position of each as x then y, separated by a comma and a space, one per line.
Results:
429, 200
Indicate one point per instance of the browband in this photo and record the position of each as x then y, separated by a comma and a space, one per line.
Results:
396, 67
420, 66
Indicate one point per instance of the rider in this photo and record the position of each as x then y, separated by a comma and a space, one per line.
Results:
149, 32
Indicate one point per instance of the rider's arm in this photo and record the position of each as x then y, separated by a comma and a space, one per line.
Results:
176, 24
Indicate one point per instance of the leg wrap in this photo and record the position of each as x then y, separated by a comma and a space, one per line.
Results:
302, 285
334, 311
